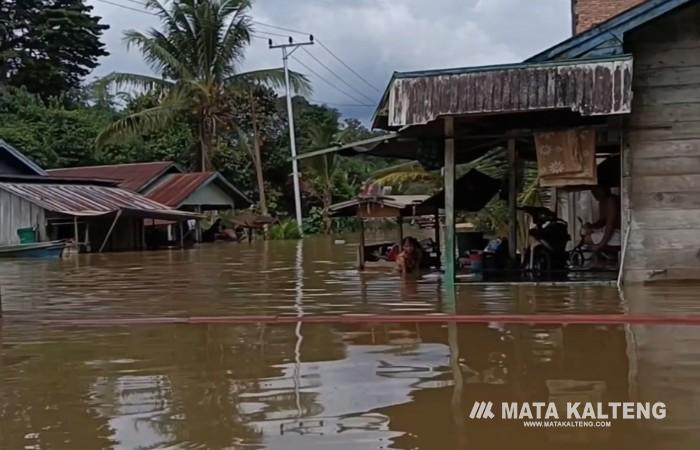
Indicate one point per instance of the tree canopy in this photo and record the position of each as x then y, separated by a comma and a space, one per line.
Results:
48, 46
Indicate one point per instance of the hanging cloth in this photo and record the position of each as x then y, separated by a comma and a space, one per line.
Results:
566, 158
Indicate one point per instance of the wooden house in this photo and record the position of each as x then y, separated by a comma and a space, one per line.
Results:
634, 78
95, 213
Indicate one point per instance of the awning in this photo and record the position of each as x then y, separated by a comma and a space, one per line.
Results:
391, 145
590, 87
390, 206
91, 200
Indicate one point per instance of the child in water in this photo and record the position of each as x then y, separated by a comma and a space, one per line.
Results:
408, 261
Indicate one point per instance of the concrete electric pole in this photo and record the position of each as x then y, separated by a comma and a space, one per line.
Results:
287, 50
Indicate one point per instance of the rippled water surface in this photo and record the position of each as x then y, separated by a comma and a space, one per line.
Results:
318, 386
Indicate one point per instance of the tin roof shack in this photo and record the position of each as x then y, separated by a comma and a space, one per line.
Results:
164, 182
94, 212
395, 207
199, 191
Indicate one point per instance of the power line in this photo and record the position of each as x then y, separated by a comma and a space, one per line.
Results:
342, 105
326, 81
342, 80
337, 58
136, 2
142, 11
272, 34
276, 27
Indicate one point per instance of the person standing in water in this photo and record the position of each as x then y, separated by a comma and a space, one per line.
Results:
605, 233
408, 261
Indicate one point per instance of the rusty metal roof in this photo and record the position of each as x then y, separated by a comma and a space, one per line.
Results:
135, 177
588, 87
405, 205
91, 200
174, 189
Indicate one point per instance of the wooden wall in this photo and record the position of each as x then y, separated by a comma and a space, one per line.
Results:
15, 212
662, 151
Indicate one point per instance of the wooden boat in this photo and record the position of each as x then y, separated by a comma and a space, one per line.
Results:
51, 249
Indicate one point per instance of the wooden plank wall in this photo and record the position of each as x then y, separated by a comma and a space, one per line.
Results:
662, 152
15, 212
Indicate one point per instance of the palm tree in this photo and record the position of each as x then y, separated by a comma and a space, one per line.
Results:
196, 56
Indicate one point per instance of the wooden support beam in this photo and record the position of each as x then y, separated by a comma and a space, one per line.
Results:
437, 238
88, 247
182, 234
449, 184
399, 221
361, 247
76, 235
111, 228
512, 198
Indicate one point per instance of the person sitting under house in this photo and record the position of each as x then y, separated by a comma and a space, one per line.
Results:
604, 235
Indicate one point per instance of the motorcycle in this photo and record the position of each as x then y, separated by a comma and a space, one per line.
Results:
549, 236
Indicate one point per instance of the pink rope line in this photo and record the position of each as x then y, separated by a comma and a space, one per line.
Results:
363, 319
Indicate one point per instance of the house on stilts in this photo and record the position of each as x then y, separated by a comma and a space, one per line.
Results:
633, 80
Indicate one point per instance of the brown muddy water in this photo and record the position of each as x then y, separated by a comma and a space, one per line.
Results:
321, 386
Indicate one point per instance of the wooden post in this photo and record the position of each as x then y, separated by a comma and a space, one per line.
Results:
182, 235
449, 182
88, 247
437, 238
76, 235
512, 198
198, 226
361, 249
109, 232
399, 221
0, 303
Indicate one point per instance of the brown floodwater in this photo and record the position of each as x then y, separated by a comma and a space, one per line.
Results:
318, 386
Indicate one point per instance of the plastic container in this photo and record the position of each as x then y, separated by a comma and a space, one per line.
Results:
476, 262
26, 235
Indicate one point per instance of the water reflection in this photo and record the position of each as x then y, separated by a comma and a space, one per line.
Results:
317, 386
351, 387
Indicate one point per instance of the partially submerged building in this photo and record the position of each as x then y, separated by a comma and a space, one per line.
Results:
166, 183
632, 79
96, 213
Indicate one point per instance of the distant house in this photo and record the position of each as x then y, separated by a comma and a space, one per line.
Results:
96, 213
165, 182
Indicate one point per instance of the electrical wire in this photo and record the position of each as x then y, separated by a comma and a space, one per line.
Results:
142, 11
319, 76
342, 80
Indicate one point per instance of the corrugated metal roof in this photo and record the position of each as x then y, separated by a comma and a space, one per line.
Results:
22, 159
135, 177
175, 188
399, 202
91, 200
589, 87
608, 38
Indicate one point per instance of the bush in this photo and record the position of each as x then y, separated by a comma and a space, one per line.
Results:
285, 230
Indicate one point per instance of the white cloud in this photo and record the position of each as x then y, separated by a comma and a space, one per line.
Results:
377, 37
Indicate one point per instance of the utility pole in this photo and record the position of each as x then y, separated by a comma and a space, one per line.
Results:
287, 50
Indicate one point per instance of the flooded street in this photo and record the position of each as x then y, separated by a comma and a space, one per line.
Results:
321, 385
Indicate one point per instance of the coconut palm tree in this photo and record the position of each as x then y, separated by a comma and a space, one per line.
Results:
196, 56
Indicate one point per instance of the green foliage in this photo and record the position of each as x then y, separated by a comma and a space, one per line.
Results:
284, 230
195, 54
49, 46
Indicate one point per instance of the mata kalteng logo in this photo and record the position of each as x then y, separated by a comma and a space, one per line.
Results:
570, 411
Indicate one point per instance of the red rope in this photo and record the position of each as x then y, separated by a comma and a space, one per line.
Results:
528, 319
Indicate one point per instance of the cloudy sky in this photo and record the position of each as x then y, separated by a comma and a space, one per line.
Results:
373, 37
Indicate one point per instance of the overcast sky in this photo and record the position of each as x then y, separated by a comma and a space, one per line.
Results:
375, 38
